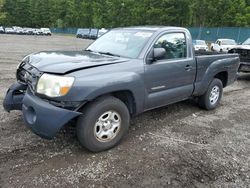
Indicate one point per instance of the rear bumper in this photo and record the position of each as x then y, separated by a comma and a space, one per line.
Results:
43, 118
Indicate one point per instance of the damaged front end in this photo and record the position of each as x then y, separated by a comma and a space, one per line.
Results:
43, 117
14, 97
27, 77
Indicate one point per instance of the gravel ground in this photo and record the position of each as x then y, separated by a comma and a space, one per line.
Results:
176, 146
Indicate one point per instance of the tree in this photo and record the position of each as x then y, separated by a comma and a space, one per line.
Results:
115, 13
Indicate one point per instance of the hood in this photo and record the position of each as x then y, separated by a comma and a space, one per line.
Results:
243, 47
228, 46
62, 62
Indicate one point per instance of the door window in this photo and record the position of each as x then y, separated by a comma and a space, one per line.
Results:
174, 44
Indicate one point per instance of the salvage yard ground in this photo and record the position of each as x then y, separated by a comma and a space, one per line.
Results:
176, 146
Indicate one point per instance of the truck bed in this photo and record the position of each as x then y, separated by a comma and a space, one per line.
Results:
206, 61
202, 53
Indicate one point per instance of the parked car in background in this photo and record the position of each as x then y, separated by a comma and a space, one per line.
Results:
46, 31
2, 29
9, 30
223, 45
112, 80
25, 31
93, 34
28, 31
18, 30
102, 32
200, 45
244, 51
83, 33
79, 33
38, 31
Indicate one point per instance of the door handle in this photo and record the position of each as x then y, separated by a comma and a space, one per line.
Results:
188, 68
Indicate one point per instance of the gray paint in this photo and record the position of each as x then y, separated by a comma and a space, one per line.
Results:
152, 85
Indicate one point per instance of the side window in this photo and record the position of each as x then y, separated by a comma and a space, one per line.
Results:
174, 44
218, 42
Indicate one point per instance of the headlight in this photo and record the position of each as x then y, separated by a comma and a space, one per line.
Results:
53, 85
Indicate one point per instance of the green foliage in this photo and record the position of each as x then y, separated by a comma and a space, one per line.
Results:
115, 13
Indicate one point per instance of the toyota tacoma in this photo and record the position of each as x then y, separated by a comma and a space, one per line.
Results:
125, 72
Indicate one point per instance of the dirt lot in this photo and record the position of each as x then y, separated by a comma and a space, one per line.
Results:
176, 146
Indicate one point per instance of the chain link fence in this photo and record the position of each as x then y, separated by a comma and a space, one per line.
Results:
239, 34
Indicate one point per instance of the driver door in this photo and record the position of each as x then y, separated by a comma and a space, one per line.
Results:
170, 79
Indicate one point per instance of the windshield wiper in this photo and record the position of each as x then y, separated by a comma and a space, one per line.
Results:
88, 50
109, 53
105, 53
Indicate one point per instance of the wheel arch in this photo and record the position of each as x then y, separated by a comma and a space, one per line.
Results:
223, 76
126, 96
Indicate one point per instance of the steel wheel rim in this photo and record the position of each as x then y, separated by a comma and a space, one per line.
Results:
214, 95
107, 126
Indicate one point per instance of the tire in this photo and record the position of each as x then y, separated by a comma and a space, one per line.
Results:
210, 100
89, 131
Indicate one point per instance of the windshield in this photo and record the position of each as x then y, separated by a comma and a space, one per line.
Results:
45, 29
94, 31
228, 42
82, 31
126, 43
247, 42
200, 42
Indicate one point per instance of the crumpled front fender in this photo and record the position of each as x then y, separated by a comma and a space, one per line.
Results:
14, 97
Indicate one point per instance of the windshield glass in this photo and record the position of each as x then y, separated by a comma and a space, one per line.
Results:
94, 31
82, 31
126, 43
228, 42
247, 42
200, 42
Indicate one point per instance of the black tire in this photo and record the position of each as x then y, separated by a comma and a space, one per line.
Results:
91, 113
204, 100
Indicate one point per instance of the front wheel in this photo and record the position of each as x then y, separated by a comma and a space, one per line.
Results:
103, 124
211, 99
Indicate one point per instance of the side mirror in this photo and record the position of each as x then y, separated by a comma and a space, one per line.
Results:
155, 54
159, 53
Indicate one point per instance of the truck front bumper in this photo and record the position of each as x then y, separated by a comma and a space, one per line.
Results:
14, 97
244, 67
43, 118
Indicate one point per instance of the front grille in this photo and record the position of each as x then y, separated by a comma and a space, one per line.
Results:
28, 75
244, 54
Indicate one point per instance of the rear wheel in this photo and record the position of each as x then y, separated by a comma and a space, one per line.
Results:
103, 124
211, 99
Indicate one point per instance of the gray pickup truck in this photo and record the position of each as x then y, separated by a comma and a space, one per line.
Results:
125, 72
